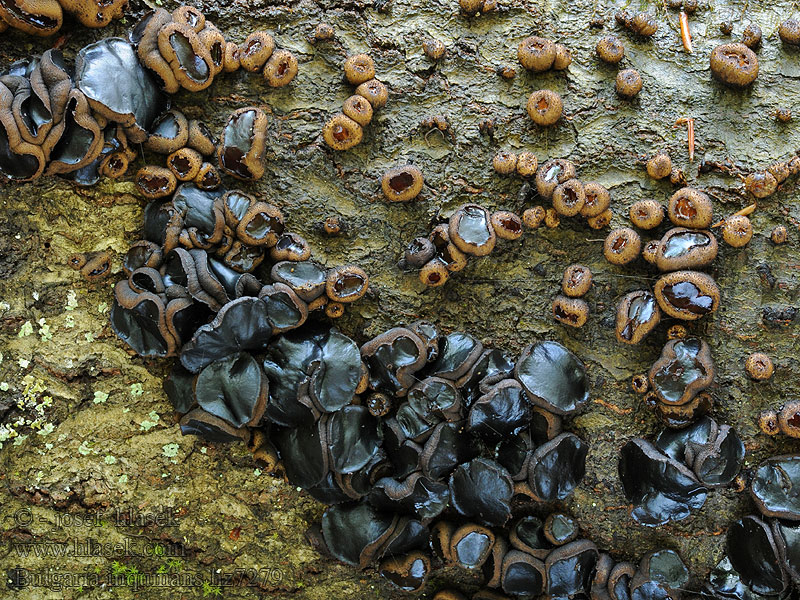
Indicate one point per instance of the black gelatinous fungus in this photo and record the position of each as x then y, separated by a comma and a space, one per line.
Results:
684, 369
734, 64
774, 487
306, 278
242, 324
682, 248
570, 569
482, 489
233, 389
353, 436
241, 149
407, 573
457, 353
356, 534
402, 184
470, 229
212, 429
503, 410
560, 529
553, 377
470, 545
557, 467
139, 320
754, 556
687, 295
393, 357
522, 574
417, 495
134, 101
637, 316
660, 488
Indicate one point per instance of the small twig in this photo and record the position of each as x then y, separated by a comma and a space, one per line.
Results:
689, 122
686, 35
745, 212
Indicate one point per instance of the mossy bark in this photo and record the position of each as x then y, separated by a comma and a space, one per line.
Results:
103, 437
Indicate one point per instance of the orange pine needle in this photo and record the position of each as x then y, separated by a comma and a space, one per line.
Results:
686, 36
690, 125
745, 212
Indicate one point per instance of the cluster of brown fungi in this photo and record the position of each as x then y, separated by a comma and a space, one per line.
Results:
429, 449
344, 130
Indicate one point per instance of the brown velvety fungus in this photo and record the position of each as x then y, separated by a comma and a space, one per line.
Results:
563, 58
402, 184
536, 54
114, 165
169, 133
576, 281
759, 366
244, 138
255, 51
214, 41
682, 248
552, 218
506, 224
768, 422
628, 83
789, 32
346, 284
597, 199
778, 235
545, 107
533, 217
434, 273
200, 138
186, 55
751, 36
208, 177
190, 16
281, 68
622, 246
261, 225
650, 251
290, 246
780, 171
677, 332
602, 220
761, 184
97, 267
689, 207
640, 384
610, 49
359, 109
375, 92
734, 64
470, 229
659, 165
570, 311
470, 7
155, 182
646, 214
569, 198
527, 163
789, 419
34, 17
341, 132
687, 295
737, 231
230, 60
637, 315
359, 69
504, 163
433, 48
185, 164
552, 173
334, 310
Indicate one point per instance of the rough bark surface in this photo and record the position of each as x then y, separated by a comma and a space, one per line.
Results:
97, 434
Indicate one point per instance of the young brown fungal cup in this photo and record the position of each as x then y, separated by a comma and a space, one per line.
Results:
545, 107
402, 184
622, 246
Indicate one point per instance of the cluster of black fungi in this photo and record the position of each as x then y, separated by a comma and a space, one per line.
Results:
429, 449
